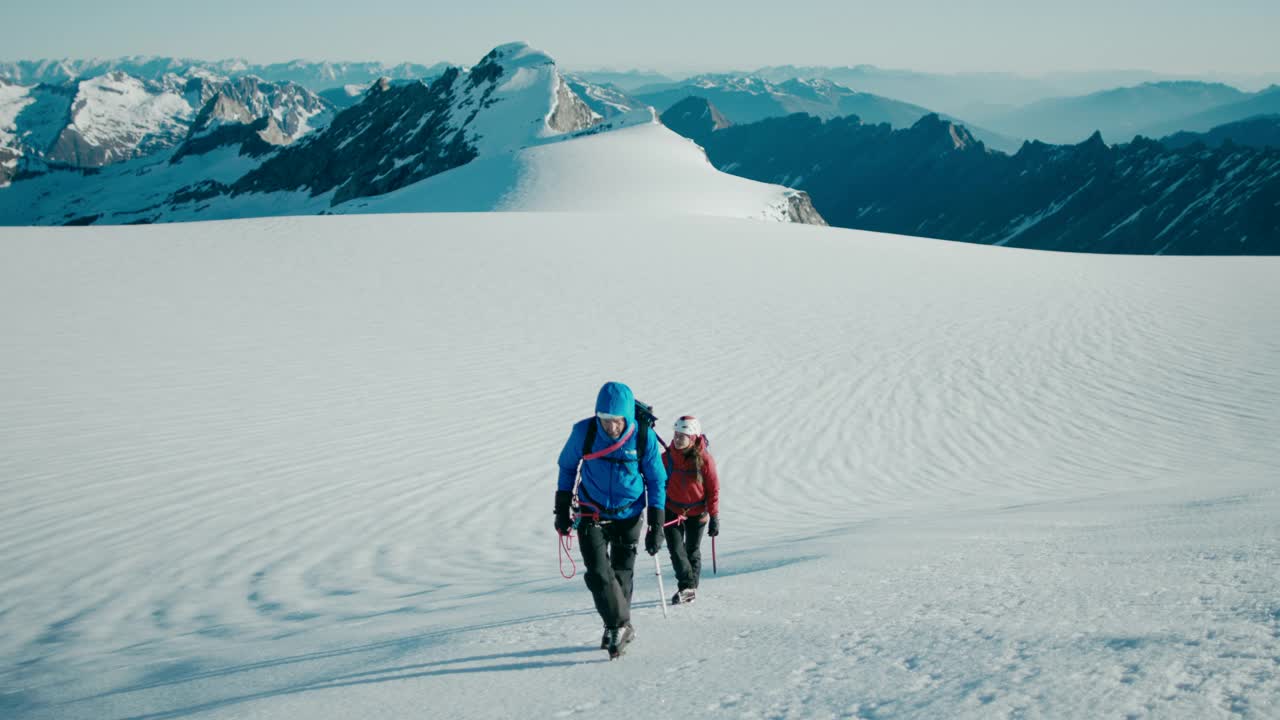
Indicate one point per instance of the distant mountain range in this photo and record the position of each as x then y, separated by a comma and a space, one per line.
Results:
1259, 131
749, 98
625, 79
1119, 114
1264, 102
514, 132
936, 180
489, 138
315, 76
978, 95
116, 117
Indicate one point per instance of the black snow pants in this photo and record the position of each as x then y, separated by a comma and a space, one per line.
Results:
685, 542
609, 552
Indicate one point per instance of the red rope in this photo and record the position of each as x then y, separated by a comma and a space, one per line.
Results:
565, 543
621, 441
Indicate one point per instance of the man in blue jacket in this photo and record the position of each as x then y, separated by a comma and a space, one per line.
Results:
618, 466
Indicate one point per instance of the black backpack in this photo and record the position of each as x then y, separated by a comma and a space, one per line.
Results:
644, 422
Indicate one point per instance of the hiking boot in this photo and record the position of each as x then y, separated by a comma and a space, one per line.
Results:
675, 599
618, 639
687, 596
604, 640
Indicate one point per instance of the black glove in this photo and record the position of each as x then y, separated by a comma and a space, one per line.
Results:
563, 522
653, 536
714, 528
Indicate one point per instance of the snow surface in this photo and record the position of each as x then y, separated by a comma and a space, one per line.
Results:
303, 468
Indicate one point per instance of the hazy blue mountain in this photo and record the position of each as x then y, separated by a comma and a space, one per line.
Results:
623, 79
748, 98
965, 94
1264, 102
978, 96
1257, 131
1119, 114
935, 179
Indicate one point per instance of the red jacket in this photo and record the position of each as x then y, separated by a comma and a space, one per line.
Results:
685, 495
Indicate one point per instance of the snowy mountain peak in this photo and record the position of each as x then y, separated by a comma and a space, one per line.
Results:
514, 98
517, 55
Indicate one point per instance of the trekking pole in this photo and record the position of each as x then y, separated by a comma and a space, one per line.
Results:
713, 556
657, 569
662, 593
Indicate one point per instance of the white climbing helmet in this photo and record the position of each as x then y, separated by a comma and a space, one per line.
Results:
688, 425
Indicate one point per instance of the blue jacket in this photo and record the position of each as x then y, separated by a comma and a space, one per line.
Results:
618, 486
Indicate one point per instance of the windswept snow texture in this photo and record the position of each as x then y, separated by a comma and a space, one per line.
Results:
303, 468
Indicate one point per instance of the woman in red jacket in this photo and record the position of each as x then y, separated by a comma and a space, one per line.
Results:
693, 503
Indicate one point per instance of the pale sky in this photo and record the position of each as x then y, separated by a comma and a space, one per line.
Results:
1023, 36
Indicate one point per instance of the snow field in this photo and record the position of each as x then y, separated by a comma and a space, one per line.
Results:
304, 467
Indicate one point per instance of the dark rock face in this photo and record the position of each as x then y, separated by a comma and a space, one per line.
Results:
695, 118
396, 136
247, 99
255, 138
935, 180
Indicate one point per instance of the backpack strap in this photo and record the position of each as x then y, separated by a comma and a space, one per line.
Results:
590, 438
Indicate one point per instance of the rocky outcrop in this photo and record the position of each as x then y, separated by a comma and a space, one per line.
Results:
800, 209
255, 138
605, 100
294, 110
571, 113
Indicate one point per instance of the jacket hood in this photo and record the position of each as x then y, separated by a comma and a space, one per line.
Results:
616, 399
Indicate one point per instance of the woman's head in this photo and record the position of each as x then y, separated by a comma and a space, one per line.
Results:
687, 431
